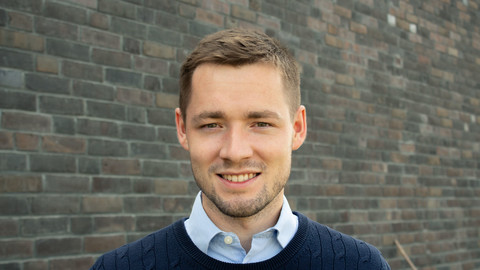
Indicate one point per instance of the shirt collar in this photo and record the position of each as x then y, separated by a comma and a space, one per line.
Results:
201, 235
199, 226
287, 224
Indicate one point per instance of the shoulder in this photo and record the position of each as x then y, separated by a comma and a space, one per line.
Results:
139, 252
342, 248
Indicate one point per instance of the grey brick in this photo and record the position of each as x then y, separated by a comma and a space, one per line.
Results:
177, 153
33, 6
178, 204
92, 90
54, 28
44, 226
82, 71
56, 247
152, 83
106, 110
81, 225
52, 163
149, 223
68, 49
169, 21
26, 121
160, 169
12, 162
164, 117
64, 125
117, 8
9, 227
3, 17
136, 115
131, 45
137, 2
97, 128
13, 205
163, 5
129, 28
107, 148
145, 15
10, 266
151, 65
149, 150
274, 10
66, 184
60, 105
167, 134
170, 86
46, 83
111, 58
165, 36
66, 13
56, 204
17, 100
14, 59
85, 262
200, 29
332, 64
117, 223
122, 77
101, 38
187, 11
111, 185
190, 41
88, 165
142, 204
11, 78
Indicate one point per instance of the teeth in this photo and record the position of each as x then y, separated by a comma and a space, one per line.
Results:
239, 178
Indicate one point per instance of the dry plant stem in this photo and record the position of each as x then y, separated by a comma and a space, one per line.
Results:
405, 255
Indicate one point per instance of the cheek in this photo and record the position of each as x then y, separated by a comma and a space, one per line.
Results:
202, 149
274, 149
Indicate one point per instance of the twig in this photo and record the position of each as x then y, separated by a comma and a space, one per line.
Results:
405, 255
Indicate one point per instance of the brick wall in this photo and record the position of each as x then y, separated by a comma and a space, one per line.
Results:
88, 153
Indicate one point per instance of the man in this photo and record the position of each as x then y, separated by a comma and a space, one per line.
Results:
240, 118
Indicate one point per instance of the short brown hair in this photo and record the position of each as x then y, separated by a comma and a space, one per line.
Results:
238, 47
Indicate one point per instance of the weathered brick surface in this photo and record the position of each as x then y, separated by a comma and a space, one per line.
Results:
80, 263
99, 244
58, 246
101, 204
89, 157
47, 64
16, 249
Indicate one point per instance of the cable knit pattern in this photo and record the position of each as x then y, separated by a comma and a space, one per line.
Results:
314, 246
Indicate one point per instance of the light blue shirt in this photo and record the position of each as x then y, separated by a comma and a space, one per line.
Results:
226, 247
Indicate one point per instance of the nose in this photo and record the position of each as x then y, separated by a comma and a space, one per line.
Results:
236, 145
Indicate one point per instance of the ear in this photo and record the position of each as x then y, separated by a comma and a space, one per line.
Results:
181, 129
299, 128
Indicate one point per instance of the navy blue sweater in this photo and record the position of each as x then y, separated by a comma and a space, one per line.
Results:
314, 246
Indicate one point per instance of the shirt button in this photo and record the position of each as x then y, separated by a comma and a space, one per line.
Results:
228, 240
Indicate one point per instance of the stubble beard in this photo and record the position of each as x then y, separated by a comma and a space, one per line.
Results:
241, 208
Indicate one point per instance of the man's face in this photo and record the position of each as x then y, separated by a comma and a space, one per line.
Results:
240, 135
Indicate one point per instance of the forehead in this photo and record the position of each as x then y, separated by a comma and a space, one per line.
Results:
253, 86
248, 73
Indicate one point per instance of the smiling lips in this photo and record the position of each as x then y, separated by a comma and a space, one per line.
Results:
238, 177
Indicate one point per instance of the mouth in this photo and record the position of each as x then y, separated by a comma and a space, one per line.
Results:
238, 178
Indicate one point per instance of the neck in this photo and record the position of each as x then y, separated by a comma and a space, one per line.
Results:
245, 227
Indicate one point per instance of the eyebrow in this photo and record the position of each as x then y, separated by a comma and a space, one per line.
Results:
208, 115
249, 115
263, 114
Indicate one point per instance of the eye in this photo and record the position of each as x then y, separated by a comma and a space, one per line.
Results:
211, 125
262, 124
